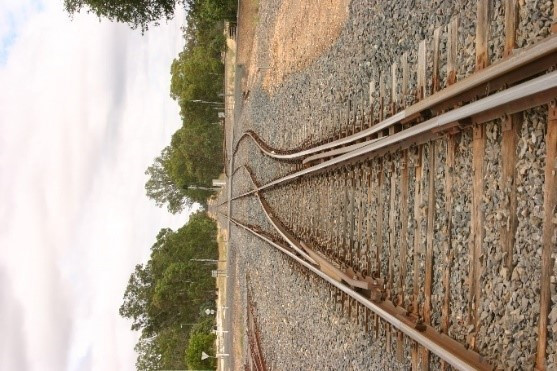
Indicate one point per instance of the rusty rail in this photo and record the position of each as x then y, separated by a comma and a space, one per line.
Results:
518, 66
445, 347
528, 94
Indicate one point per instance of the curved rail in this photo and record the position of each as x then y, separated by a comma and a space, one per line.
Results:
307, 251
442, 345
546, 48
531, 93
545, 85
277, 224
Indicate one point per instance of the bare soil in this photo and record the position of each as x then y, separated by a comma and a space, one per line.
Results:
303, 31
245, 35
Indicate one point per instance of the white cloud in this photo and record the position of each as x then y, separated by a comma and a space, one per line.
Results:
84, 109
13, 356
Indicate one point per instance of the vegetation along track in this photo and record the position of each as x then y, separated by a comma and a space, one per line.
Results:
433, 222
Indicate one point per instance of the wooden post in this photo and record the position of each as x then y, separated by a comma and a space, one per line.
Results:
414, 356
421, 78
452, 51
350, 216
404, 218
554, 25
335, 214
417, 245
549, 207
482, 33
435, 83
392, 238
360, 215
511, 20
452, 43
381, 97
420, 94
389, 273
379, 234
394, 88
448, 253
428, 283
348, 114
371, 102
368, 229
405, 77
511, 130
478, 152
404, 189
363, 112
381, 182
400, 346
327, 213
345, 216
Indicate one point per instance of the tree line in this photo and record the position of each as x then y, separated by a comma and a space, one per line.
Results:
140, 14
184, 171
166, 296
182, 174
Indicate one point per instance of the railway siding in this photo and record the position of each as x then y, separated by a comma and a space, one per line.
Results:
458, 225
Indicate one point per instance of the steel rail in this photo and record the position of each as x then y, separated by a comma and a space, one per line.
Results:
287, 155
520, 58
337, 151
285, 234
529, 88
277, 224
443, 346
305, 249
234, 173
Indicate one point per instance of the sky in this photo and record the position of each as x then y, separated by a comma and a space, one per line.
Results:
84, 110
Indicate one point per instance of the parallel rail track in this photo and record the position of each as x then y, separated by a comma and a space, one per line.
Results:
446, 348
339, 213
256, 361
519, 66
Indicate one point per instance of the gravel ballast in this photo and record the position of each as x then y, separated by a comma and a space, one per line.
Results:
300, 324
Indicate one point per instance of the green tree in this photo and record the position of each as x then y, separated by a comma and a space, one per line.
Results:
136, 13
161, 188
170, 340
171, 286
196, 80
183, 173
137, 297
196, 156
148, 354
169, 291
205, 21
179, 290
198, 343
203, 326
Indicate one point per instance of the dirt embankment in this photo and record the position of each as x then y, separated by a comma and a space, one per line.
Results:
303, 31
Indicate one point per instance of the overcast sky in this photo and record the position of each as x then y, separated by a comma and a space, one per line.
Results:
84, 109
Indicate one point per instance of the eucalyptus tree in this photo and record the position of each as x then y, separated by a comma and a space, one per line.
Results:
136, 13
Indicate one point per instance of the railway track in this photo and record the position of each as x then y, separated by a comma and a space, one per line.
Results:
416, 215
256, 360
522, 64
